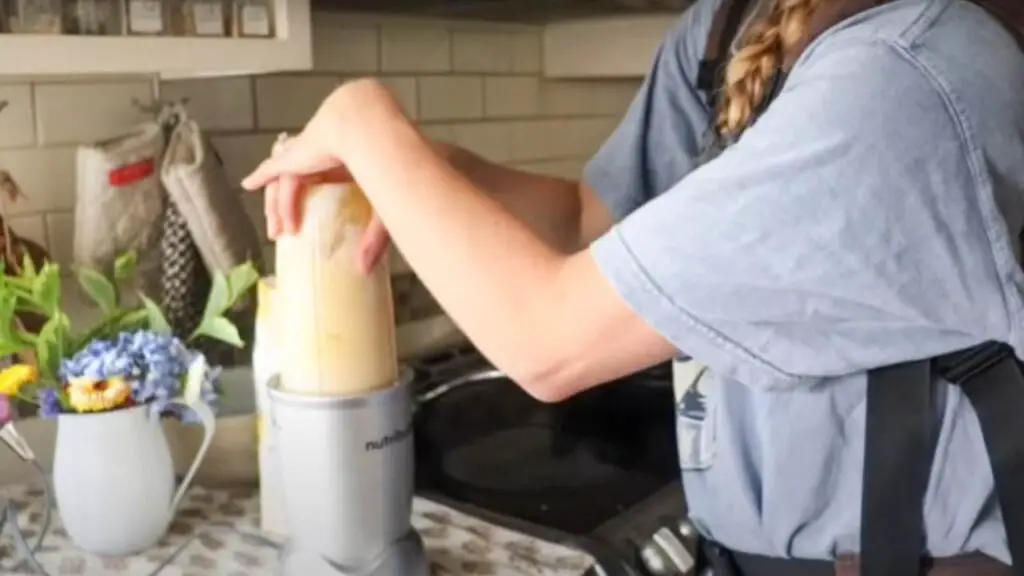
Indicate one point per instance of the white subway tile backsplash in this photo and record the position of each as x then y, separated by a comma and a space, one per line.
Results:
77, 112
492, 52
405, 91
253, 202
530, 140
414, 49
60, 228
568, 169
526, 52
439, 132
340, 48
558, 139
491, 140
477, 85
30, 227
587, 98
511, 96
287, 102
17, 119
242, 153
215, 103
451, 97
46, 176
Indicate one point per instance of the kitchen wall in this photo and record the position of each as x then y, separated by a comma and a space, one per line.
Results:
474, 84
478, 85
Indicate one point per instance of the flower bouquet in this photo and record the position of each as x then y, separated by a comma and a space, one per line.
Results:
128, 358
107, 386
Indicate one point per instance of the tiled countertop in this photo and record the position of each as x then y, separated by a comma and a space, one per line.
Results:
217, 535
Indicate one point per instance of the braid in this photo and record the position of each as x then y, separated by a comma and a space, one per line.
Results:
750, 73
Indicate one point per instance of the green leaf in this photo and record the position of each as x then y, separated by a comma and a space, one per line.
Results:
98, 288
219, 328
124, 266
193, 390
219, 299
241, 279
51, 343
46, 289
28, 267
9, 348
10, 337
107, 328
132, 320
157, 321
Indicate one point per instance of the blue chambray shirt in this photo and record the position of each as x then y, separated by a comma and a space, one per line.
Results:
870, 217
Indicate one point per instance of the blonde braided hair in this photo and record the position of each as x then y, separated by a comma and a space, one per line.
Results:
750, 73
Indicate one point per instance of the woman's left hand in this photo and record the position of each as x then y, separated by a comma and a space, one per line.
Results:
315, 151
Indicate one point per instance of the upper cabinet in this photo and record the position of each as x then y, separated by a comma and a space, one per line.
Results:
172, 38
607, 47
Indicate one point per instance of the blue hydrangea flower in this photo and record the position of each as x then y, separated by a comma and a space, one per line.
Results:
49, 403
154, 363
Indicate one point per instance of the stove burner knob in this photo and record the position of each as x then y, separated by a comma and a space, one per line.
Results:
654, 560
667, 555
688, 531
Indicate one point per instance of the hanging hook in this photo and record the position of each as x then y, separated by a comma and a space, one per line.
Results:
156, 107
3, 105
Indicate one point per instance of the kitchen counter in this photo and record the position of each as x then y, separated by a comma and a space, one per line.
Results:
215, 533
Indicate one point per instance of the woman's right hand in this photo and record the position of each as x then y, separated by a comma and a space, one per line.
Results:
281, 207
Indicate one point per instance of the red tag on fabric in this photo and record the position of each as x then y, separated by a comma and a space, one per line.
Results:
131, 173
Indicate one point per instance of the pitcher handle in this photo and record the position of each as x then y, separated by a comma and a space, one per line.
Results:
209, 421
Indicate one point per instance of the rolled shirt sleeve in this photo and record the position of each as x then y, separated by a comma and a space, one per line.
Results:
841, 233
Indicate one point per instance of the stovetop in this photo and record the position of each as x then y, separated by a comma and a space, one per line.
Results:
563, 471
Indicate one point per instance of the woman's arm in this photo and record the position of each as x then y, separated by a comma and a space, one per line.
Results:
549, 319
566, 214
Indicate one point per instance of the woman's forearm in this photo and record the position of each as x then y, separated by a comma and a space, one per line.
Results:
489, 270
551, 207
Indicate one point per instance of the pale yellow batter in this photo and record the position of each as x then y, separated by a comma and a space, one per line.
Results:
337, 325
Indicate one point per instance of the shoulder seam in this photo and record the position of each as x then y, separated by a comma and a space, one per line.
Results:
972, 156
910, 35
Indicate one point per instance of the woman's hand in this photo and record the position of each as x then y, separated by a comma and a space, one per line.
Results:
314, 151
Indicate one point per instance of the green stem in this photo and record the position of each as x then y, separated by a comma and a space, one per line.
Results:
25, 398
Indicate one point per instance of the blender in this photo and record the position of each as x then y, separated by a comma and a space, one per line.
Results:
340, 408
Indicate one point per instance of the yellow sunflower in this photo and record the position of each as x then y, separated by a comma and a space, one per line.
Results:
16, 377
92, 395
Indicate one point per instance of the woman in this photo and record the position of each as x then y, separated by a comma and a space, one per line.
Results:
868, 217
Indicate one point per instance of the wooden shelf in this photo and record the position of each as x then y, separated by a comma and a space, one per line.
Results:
174, 57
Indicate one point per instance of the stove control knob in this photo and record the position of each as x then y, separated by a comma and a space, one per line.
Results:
666, 555
688, 531
654, 560
680, 557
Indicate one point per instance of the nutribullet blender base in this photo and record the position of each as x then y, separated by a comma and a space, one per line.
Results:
405, 557
347, 470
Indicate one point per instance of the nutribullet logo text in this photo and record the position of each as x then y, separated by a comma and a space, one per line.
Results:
393, 438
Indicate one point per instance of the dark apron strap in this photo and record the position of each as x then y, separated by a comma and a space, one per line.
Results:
898, 447
992, 380
900, 444
724, 28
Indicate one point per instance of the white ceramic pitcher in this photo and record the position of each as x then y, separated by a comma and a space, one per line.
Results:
113, 478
